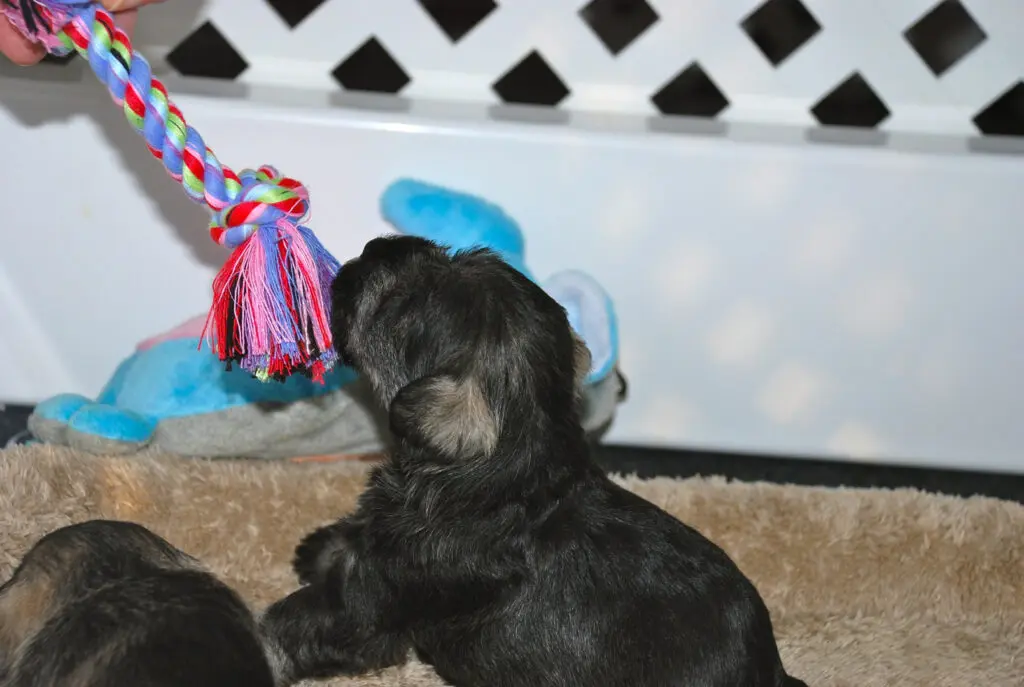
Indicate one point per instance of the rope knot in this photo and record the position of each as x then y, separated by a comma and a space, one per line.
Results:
265, 199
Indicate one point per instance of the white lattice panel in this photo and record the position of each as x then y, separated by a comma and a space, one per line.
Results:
817, 44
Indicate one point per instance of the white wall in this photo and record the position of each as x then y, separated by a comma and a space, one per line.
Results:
775, 293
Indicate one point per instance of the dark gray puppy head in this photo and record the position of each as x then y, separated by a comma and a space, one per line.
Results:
464, 350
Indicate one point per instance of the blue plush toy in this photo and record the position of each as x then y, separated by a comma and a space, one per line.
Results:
170, 396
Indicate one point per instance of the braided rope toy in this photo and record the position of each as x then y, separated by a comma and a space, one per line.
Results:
271, 299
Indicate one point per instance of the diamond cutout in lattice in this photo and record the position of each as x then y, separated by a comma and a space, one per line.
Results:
691, 93
853, 103
457, 17
207, 53
372, 69
531, 82
945, 35
1004, 116
780, 27
293, 12
618, 23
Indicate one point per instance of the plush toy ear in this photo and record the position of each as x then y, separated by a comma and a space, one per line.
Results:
581, 360
449, 415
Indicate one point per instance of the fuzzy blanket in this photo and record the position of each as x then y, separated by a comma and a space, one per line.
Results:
867, 587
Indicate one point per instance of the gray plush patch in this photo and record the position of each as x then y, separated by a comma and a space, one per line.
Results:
344, 421
93, 443
599, 403
48, 431
58, 433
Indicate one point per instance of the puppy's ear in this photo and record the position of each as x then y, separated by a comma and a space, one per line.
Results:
581, 360
450, 416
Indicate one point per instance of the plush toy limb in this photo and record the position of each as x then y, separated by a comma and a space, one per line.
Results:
96, 426
104, 429
454, 219
49, 419
592, 315
75, 421
271, 300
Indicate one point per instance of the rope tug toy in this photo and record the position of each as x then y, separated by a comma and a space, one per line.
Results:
271, 299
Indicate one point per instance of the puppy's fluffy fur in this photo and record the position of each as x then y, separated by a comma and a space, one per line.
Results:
111, 604
489, 542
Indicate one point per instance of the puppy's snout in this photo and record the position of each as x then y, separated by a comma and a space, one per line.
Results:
341, 326
344, 356
345, 288
345, 294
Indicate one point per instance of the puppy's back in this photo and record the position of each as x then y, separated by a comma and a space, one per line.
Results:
107, 603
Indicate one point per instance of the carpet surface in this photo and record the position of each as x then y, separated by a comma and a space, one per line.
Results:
866, 587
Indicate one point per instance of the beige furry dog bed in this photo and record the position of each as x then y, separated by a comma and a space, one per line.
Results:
867, 587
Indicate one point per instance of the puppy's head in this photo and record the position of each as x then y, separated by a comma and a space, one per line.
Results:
460, 347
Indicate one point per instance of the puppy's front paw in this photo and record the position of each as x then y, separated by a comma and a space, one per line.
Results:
318, 551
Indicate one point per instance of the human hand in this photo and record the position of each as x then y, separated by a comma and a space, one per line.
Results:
22, 51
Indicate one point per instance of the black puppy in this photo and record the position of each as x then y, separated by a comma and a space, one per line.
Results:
490, 543
111, 604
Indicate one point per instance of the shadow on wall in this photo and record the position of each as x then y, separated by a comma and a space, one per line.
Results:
188, 219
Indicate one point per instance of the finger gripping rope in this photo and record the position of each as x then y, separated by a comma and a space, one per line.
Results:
271, 300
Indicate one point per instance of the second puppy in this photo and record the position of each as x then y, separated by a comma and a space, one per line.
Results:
489, 542
106, 603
